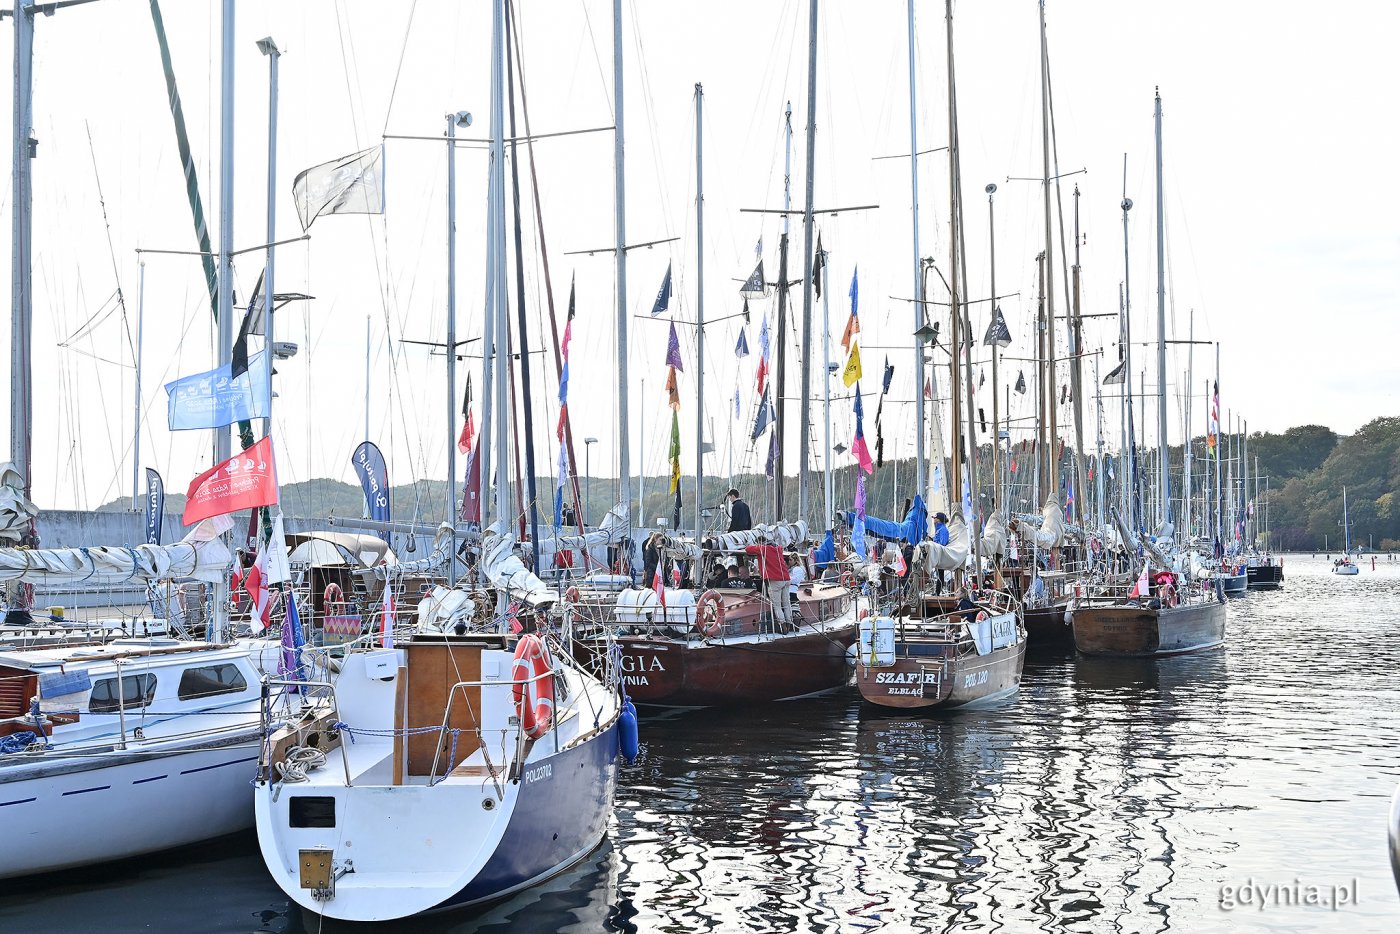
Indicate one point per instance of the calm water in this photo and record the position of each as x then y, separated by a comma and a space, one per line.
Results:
1109, 796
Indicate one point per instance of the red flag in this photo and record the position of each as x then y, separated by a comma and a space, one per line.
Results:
762, 373
659, 585
928, 389
243, 481
464, 440
260, 613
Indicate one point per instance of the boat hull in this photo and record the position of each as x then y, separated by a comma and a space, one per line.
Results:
1346, 570
1047, 628
923, 682
1265, 577
420, 848
1142, 631
712, 673
1234, 584
63, 814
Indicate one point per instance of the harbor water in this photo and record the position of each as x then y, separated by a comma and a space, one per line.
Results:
1243, 789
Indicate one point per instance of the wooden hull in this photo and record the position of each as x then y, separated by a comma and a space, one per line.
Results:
1141, 631
1046, 628
940, 679
745, 670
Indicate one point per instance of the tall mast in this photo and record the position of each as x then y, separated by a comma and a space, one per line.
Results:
136, 432
996, 392
1186, 456
497, 232
699, 309
531, 499
624, 471
1129, 480
1163, 478
805, 381
451, 341
22, 202
780, 336
826, 402
1215, 408
1050, 415
955, 336
959, 263
1043, 388
920, 312
1076, 377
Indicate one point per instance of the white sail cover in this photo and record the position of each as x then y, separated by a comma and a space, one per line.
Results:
504, 569
437, 558
1051, 533
782, 534
994, 535
201, 555
931, 556
612, 531
16, 512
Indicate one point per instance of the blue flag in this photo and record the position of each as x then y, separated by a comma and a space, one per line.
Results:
741, 349
663, 297
218, 398
369, 465
293, 638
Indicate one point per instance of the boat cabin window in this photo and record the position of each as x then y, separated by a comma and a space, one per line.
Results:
211, 680
137, 692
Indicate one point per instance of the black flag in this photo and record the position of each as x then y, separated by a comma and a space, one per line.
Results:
1021, 383
240, 346
817, 265
753, 286
997, 332
1116, 375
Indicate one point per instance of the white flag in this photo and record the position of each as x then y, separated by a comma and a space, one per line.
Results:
352, 184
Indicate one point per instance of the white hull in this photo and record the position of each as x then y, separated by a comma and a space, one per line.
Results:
123, 804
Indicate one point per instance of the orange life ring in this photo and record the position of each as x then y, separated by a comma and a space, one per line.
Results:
534, 686
982, 615
711, 622
848, 580
332, 595
571, 595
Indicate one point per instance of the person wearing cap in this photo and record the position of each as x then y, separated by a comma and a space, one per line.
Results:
740, 519
940, 536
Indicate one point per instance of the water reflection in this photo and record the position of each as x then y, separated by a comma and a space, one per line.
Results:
1110, 795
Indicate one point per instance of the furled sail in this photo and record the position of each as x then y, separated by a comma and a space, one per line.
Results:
201, 555
913, 529
994, 535
1051, 533
612, 531
16, 512
504, 569
931, 556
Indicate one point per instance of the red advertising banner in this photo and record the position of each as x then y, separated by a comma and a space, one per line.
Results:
243, 481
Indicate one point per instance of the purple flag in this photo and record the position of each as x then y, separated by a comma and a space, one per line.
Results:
673, 350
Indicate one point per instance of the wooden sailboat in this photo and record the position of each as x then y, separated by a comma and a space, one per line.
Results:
695, 646
932, 651
1164, 613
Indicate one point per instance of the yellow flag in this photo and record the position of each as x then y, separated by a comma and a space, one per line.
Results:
852, 371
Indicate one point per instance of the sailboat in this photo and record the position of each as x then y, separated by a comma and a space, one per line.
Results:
453, 768
700, 646
1166, 611
931, 650
1345, 564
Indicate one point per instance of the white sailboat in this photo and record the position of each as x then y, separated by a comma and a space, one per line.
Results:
458, 767
1345, 564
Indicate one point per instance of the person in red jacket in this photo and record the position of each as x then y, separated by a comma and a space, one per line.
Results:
774, 571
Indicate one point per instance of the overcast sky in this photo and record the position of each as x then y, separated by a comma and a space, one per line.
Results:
1280, 203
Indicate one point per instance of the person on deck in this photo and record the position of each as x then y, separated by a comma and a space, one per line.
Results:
940, 537
797, 575
651, 557
774, 572
740, 520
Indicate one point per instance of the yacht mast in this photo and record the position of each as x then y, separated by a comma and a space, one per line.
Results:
1050, 414
920, 313
624, 471
1163, 476
699, 309
805, 381
22, 203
